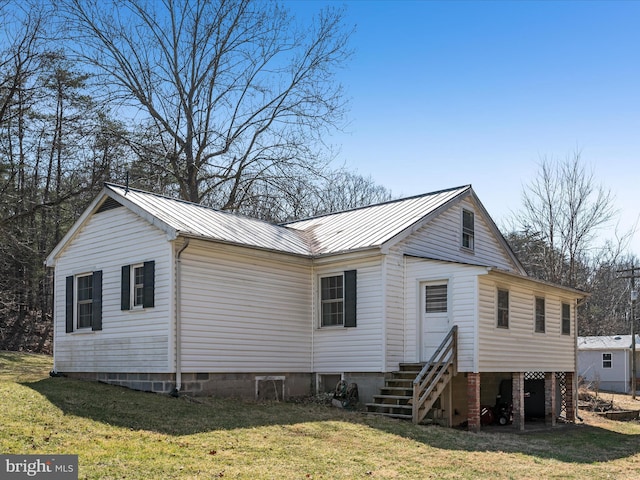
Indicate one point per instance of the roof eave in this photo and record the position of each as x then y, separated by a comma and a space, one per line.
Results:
90, 211
575, 291
204, 238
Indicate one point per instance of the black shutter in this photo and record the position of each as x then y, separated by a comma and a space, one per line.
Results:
69, 305
96, 320
125, 288
350, 298
148, 292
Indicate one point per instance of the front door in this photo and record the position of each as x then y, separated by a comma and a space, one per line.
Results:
435, 317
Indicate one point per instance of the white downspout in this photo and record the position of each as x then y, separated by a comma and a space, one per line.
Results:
178, 348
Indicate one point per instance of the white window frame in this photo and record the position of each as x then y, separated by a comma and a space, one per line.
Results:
562, 318
469, 234
77, 302
323, 302
134, 287
609, 360
498, 290
535, 314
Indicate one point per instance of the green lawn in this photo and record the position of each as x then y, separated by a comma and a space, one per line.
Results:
119, 433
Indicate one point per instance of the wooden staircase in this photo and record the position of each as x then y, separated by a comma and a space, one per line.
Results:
397, 394
412, 391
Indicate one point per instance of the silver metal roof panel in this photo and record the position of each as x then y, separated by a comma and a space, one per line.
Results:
191, 219
356, 229
370, 226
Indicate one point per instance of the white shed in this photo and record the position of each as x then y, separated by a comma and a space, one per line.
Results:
604, 362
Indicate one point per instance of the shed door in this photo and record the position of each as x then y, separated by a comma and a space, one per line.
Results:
435, 317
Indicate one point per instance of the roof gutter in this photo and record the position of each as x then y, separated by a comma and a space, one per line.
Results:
178, 319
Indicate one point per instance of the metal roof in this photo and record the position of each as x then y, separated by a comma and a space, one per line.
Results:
371, 226
191, 219
356, 229
606, 342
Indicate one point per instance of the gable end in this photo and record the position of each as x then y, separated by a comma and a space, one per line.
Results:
109, 204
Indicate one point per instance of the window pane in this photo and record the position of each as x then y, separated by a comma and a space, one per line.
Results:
332, 287
436, 298
566, 319
332, 314
85, 287
85, 314
503, 308
84, 303
467, 229
138, 286
540, 320
332, 300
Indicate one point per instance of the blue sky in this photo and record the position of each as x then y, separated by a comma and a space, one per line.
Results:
452, 93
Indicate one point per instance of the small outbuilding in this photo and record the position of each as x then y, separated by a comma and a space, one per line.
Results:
605, 362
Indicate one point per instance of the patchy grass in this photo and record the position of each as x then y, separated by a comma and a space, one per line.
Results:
119, 433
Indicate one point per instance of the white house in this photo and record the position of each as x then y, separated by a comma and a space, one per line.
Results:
605, 362
164, 295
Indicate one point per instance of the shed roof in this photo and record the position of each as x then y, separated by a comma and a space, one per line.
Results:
607, 342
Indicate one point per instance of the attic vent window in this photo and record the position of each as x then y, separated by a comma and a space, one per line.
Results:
468, 230
108, 204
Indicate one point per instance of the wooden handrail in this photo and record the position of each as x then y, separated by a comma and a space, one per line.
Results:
426, 381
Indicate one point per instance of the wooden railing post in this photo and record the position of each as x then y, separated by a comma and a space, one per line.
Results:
426, 381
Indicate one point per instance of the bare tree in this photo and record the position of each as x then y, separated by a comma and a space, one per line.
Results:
236, 93
563, 211
306, 196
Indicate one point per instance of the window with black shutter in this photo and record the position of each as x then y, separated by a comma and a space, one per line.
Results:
137, 286
338, 299
83, 301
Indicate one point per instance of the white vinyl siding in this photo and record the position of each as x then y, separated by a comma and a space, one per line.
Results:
616, 378
130, 341
244, 310
519, 348
462, 289
395, 333
359, 349
440, 238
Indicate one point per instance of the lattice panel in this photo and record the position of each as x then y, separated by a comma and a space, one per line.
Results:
534, 375
561, 378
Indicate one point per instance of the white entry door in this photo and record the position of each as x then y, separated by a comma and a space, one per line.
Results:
435, 317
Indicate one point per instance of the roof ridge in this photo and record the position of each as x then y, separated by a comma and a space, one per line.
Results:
187, 202
395, 200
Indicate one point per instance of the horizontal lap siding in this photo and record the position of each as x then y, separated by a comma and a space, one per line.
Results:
244, 311
130, 341
441, 239
462, 282
519, 348
590, 367
395, 328
358, 349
